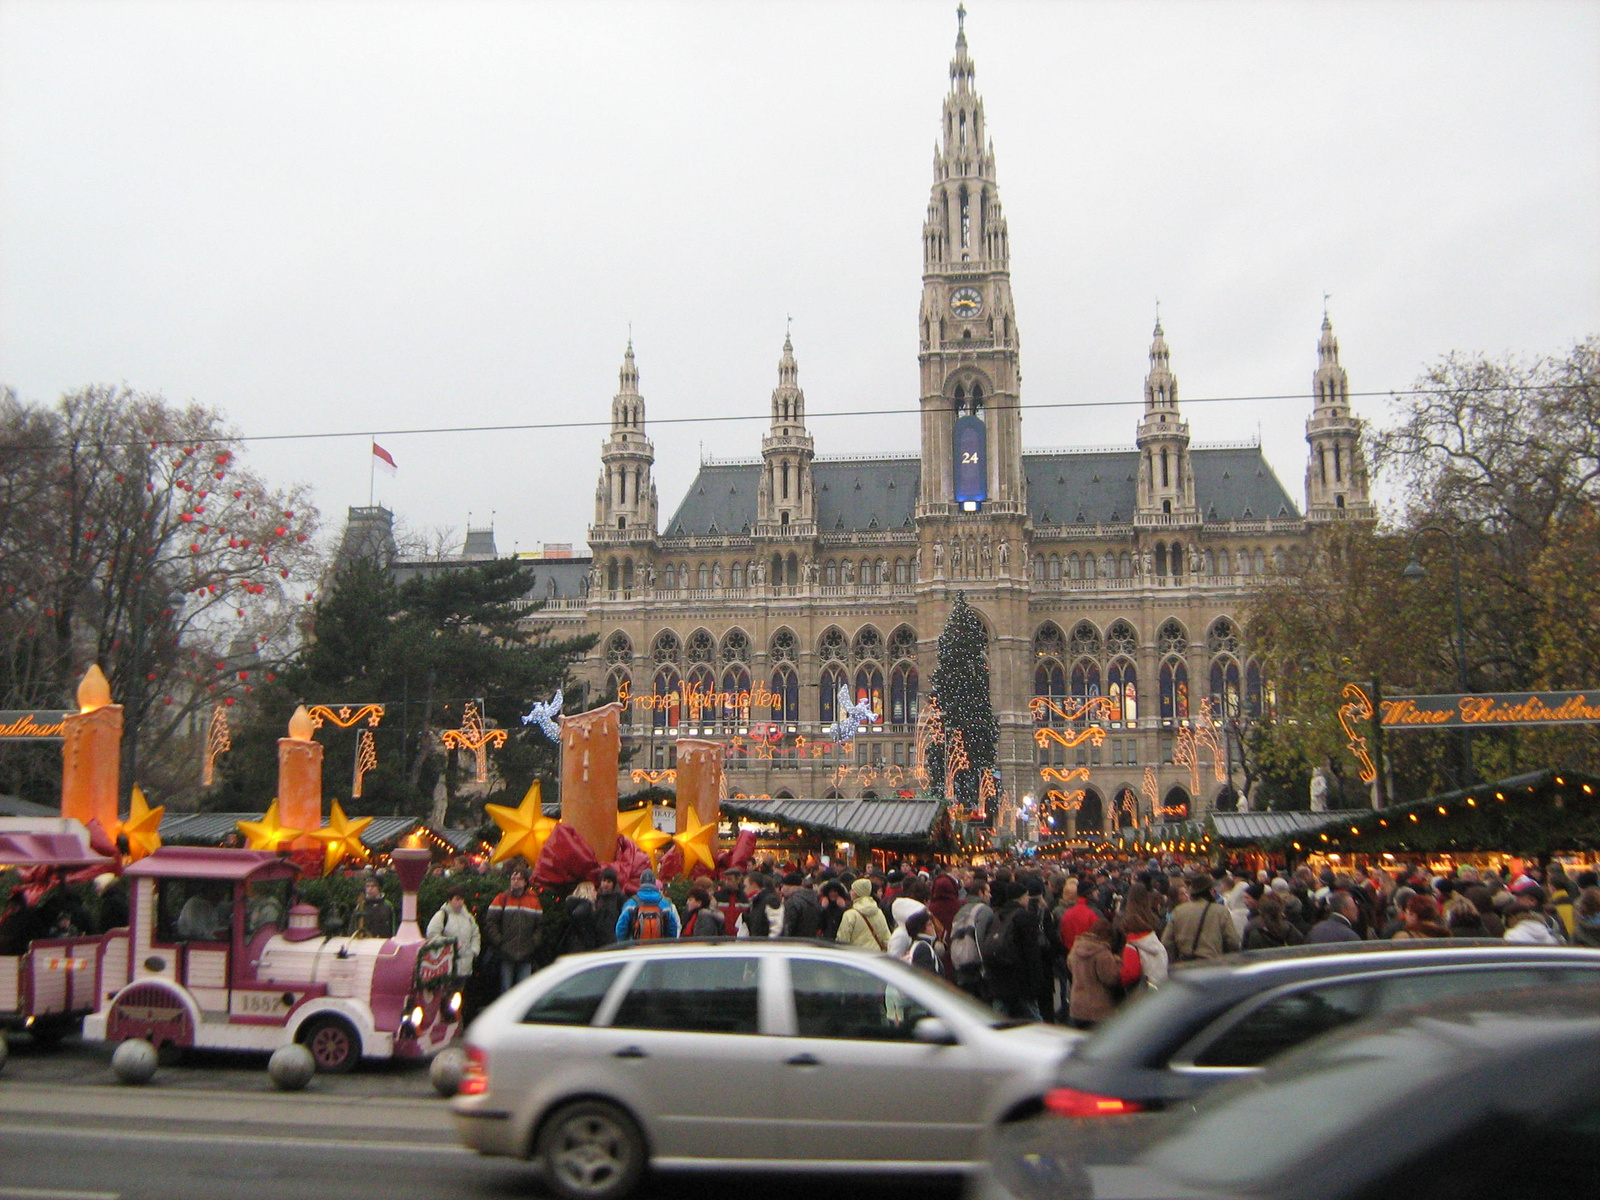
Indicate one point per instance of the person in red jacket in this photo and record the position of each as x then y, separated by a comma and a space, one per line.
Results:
1077, 919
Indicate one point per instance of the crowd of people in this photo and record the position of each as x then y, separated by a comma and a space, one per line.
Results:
1065, 944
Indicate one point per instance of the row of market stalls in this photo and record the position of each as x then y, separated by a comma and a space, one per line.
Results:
381, 836
1540, 814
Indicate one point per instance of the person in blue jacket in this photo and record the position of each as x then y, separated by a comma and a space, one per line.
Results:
648, 914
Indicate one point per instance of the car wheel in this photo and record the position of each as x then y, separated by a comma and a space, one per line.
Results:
591, 1150
335, 1046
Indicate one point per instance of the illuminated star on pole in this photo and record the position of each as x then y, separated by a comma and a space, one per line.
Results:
523, 829
341, 839
142, 826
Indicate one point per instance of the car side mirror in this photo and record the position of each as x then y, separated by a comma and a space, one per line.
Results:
933, 1032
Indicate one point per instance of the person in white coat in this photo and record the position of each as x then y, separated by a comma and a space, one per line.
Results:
454, 919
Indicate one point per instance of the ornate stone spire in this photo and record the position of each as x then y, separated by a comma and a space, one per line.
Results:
1166, 485
1336, 467
625, 504
786, 501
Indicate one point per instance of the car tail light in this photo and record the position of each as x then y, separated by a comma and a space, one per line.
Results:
1069, 1102
475, 1079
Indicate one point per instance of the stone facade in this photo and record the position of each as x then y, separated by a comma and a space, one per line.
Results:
1098, 572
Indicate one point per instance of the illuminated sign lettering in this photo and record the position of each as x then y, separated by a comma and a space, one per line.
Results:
31, 724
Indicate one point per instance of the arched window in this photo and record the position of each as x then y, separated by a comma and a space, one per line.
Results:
1049, 643
613, 575
1224, 564
1176, 806
783, 647
1174, 691
831, 645
1208, 563
702, 576
668, 710
1085, 680
1223, 637
619, 649
1252, 691
828, 693
900, 571
869, 688
793, 575
698, 688
1055, 567
1122, 639
615, 682
1091, 814
1161, 547
903, 695
1050, 680
1261, 561
777, 570
1225, 687
1126, 809
903, 643
868, 644
1279, 560
1088, 566
669, 578
1085, 640
1171, 638
864, 576
736, 576
735, 646
1176, 561
736, 696
1074, 567
627, 573
1244, 563
1122, 690
666, 648
786, 694
830, 574
1038, 566
701, 646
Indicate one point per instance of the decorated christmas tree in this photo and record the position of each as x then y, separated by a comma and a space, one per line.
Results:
961, 685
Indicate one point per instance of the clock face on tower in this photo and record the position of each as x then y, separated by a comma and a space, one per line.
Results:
966, 302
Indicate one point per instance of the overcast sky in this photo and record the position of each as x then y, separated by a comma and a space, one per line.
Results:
340, 217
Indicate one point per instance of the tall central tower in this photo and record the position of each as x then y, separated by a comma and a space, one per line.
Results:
968, 348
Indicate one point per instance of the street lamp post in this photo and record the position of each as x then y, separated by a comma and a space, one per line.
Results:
1415, 572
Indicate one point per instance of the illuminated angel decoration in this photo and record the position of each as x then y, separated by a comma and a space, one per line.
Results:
851, 718
544, 716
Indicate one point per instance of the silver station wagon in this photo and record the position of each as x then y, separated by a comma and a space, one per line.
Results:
741, 1055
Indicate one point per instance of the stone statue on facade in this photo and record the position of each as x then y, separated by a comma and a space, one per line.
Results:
1319, 790
716, 575
938, 558
849, 571
1005, 553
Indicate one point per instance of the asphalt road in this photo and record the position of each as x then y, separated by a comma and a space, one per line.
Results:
213, 1128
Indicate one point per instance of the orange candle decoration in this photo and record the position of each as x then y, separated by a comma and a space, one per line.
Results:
91, 755
700, 782
300, 779
591, 744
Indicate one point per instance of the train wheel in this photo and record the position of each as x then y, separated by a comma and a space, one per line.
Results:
334, 1044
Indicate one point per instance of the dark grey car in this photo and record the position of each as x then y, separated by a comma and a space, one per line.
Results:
1209, 1024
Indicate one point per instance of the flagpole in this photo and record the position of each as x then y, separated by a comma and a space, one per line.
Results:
372, 469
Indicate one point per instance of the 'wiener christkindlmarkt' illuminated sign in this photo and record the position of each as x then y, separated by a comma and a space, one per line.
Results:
1487, 709
31, 724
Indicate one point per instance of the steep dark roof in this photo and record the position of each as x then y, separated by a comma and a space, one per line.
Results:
852, 495
1230, 483
1079, 487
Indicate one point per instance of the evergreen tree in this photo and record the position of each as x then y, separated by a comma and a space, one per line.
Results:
961, 684
423, 649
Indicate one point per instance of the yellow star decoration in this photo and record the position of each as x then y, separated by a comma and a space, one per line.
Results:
523, 829
341, 839
142, 826
698, 842
651, 840
267, 833
632, 825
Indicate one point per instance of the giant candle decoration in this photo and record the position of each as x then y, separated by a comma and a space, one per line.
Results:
699, 781
91, 755
590, 746
300, 779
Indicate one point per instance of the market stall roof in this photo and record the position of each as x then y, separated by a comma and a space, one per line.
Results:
208, 829
1539, 812
1254, 828
869, 821
1169, 831
16, 806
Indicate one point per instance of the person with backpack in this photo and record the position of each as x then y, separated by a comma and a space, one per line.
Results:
1011, 955
972, 922
863, 923
648, 914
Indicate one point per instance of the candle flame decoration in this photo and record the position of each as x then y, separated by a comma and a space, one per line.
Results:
94, 689
366, 760
474, 737
219, 740
301, 725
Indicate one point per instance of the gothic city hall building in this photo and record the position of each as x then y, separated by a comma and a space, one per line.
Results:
780, 579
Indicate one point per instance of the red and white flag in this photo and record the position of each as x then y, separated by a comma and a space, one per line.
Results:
384, 458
